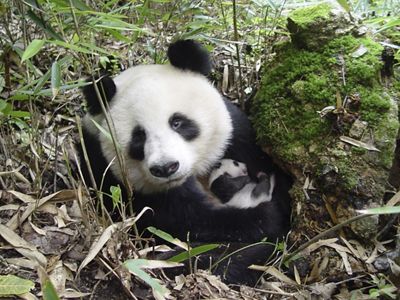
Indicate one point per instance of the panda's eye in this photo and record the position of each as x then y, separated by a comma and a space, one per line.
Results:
217, 165
236, 163
176, 123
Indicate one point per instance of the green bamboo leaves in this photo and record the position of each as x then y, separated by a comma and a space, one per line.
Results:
32, 49
11, 285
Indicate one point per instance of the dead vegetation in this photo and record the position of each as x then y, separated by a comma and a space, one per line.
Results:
49, 226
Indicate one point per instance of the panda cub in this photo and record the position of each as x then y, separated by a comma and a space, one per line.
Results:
229, 181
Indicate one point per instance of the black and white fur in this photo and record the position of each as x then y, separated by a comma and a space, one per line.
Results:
172, 125
230, 182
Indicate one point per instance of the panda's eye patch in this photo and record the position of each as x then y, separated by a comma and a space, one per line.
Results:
136, 146
186, 127
236, 163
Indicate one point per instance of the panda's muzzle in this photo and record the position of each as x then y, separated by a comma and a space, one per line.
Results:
165, 170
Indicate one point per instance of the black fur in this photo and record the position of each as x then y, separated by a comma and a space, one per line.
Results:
189, 55
97, 163
225, 186
186, 209
107, 89
136, 145
186, 127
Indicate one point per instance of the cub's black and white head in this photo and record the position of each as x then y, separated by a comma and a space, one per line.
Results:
170, 122
227, 167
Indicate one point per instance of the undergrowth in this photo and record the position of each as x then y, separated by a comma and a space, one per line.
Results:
49, 47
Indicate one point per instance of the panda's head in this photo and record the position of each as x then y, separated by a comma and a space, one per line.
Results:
227, 167
170, 122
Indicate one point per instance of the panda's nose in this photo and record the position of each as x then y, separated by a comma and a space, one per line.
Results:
165, 170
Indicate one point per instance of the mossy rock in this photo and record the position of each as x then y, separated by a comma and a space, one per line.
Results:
313, 26
324, 112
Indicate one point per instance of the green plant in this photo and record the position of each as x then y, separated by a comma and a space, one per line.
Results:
383, 288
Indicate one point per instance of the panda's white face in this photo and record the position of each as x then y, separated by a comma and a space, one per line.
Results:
229, 167
170, 124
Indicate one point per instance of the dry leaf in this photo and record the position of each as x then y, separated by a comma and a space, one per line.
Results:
225, 79
357, 143
64, 195
21, 246
58, 277
394, 200
72, 294
271, 270
22, 262
319, 244
106, 235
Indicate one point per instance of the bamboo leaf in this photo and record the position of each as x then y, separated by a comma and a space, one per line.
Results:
3, 105
167, 237
390, 24
55, 78
2, 83
102, 130
13, 285
115, 195
80, 5
19, 114
41, 82
384, 210
193, 252
72, 47
135, 267
33, 48
48, 289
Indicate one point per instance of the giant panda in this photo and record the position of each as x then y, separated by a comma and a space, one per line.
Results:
171, 126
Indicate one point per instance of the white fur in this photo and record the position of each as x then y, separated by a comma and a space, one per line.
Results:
148, 95
245, 199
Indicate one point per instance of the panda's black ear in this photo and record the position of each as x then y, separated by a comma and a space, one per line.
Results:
107, 89
190, 55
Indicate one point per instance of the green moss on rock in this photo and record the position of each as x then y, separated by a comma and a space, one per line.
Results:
323, 111
312, 27
300, 83
307, 15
